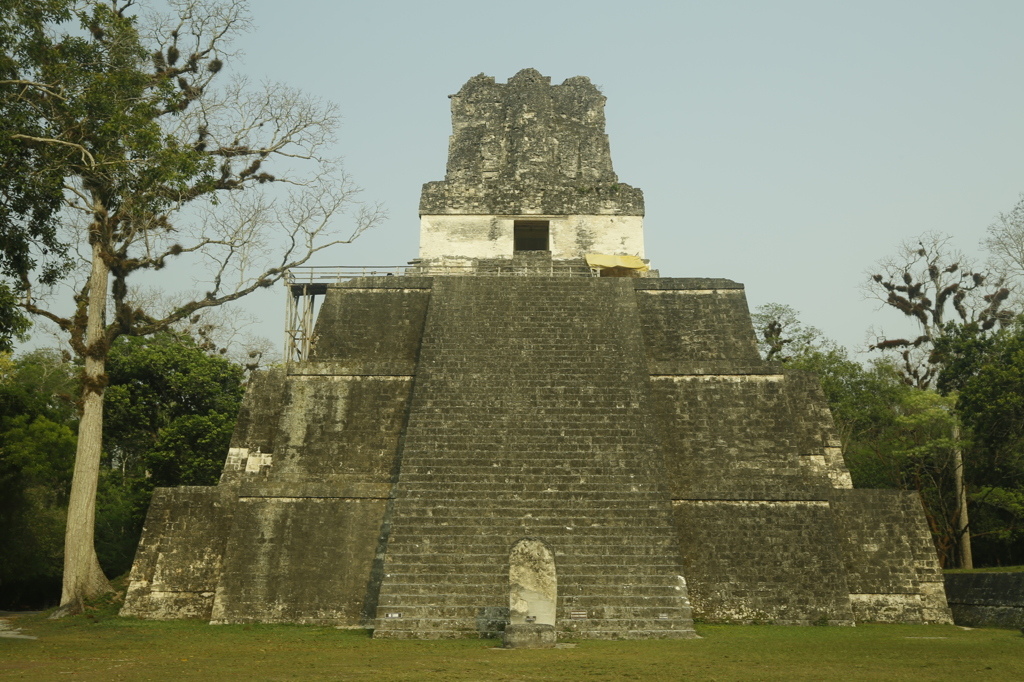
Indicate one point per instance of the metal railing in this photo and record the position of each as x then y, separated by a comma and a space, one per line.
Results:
339, 273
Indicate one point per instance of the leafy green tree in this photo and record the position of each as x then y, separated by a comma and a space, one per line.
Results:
160, 162
36, 460
31, 193
171, 408
13, 324
42, 382
170, 411
984, 372
937, 288
37, 446
927, 446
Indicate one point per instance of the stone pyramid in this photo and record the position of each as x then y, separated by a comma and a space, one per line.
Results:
529, 425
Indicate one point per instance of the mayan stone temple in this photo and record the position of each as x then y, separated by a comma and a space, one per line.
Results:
528, 428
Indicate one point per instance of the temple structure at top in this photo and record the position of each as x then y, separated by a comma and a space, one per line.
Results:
530, 174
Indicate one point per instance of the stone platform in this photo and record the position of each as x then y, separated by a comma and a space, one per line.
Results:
627, 424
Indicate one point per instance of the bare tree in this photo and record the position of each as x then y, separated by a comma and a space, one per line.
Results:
933, 284
162, 164
1005, 246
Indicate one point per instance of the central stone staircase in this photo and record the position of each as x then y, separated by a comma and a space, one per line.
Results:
529, 419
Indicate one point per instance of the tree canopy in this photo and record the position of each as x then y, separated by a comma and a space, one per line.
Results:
142, 154
171, 411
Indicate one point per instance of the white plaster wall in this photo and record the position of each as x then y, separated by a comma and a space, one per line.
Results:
483, 236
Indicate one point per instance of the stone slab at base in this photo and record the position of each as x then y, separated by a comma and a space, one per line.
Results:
986, 600
530, 636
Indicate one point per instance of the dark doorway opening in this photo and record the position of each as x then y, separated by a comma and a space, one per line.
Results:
531, 235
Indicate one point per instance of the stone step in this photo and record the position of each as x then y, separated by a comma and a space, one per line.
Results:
511, 473
598, 608
555, 470
525, 427
456, 605
597, 380
468, 550
550, 495
597, 502
444, 424
643, 493
542, 514
624, 564
408, 554
503, 475
566, 529
600, 446
500, 521
605, 628
522, 385
494, 491
495, 529
534, 380
661, 572
580, 458
499, 587
498, 529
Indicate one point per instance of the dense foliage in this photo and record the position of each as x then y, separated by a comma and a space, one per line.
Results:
171, 410
37, 450
984, 372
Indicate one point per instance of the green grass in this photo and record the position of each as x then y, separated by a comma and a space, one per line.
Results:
990, 569
101, 646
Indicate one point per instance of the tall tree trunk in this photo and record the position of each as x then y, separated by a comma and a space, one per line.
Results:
83, 577
963, 526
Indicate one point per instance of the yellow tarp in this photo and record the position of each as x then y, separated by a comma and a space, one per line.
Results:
599, 260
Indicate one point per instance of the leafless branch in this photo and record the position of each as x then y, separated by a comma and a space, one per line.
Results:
85, 152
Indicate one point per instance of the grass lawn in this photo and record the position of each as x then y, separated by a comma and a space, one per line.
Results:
101, 646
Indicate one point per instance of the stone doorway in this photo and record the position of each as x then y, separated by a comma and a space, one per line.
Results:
531, 235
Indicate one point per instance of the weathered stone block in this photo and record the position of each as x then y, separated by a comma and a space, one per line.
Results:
762, 561
299, 560
986, 599
178, 562
530, 636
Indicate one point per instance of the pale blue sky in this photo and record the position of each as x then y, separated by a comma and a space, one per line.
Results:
785, 145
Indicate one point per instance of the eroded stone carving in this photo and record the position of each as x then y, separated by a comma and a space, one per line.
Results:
527, 146
533, 585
